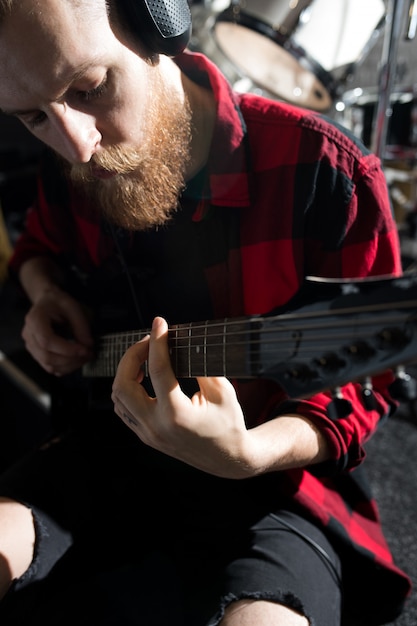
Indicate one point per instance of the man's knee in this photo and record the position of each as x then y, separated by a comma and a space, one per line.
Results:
17, 541
262, 613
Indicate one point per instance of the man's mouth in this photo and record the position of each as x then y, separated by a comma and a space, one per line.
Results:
101, 173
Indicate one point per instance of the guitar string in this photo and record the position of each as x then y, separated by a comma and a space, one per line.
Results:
210, 325
114, 344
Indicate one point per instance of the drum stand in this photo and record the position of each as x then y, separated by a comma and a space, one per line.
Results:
395, 178
388, 67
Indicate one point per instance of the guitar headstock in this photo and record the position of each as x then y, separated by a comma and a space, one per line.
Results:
347, 331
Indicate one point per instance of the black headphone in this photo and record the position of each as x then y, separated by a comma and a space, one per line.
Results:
164, 26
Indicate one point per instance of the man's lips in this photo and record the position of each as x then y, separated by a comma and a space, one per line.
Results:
103, 174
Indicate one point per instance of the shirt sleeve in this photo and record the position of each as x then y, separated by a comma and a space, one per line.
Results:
60, 224
341, 228
369, 247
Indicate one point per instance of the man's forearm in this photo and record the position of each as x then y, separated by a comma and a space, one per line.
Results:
38, 275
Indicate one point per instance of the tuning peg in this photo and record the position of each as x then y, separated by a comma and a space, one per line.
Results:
339, 407
368, 395
404, 387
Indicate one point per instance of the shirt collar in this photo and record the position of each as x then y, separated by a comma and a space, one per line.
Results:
228, 161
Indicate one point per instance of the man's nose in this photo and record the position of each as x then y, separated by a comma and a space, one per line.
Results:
77, 136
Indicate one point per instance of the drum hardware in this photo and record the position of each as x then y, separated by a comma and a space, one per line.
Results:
298, 51
399, 196
388, 65
412, 21
403, 206
400, 176
358, 114
402, 185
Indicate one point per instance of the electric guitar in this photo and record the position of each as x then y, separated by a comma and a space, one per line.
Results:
331, 334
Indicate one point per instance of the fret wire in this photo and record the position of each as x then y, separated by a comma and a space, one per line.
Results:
205, 349
224, 348
189, 350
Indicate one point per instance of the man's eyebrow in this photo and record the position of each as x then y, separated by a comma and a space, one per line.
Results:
78, 73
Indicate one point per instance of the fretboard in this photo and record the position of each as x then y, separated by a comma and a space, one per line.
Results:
219, 348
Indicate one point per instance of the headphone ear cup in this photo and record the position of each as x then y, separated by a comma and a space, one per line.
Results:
164, 26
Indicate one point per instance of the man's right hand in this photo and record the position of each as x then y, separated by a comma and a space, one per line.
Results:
57, 332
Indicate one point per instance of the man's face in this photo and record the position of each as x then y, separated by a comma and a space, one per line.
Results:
87, 94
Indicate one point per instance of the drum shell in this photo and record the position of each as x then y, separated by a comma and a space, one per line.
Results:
301, 52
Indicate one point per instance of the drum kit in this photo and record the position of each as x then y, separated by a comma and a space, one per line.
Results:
307, 52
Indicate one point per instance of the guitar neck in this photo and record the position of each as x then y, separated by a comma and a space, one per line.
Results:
218, 348
369, 327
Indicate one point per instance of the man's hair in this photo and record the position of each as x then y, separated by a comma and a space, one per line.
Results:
8, 6
5, 8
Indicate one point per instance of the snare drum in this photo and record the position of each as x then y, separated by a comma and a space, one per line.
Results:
300, 51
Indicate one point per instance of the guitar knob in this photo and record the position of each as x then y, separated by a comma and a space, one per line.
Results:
368, 395
404, 387
339, 407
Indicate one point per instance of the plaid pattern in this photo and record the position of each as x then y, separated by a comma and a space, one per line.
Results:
291, 194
